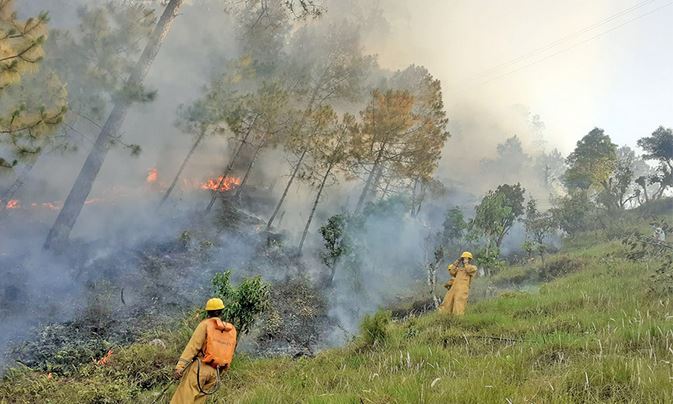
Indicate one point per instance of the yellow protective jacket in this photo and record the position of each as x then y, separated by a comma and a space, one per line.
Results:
455, 299
188, 390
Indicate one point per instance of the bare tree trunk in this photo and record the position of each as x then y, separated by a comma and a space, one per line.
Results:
420, 205
60, 231
332, 273
376, 182
421, 199
385, 190
315, 206
215, 192
287, 188
370, 179
655, 195
432, 283
295, 170
247, 172
182, 166
281, 217
413, 197
647, 196
501, 237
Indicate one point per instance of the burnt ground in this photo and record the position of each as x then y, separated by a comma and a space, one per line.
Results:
111, 299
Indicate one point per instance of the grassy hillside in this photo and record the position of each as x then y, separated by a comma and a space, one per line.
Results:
592, 334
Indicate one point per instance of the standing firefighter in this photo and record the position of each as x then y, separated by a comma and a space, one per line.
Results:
208, 353
462, 272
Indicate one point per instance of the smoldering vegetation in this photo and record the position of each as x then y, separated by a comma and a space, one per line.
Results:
269, 141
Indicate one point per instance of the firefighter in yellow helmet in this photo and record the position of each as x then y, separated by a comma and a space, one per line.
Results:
196, 369
462, 272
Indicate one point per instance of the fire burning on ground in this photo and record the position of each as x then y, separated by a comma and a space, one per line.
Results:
56, 205
220, 184
152, 176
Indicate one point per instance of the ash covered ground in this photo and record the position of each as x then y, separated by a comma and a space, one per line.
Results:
133, 291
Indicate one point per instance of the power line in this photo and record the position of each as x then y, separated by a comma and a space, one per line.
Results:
563, 39
573, 46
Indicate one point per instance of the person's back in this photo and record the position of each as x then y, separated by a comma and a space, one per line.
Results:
209, 351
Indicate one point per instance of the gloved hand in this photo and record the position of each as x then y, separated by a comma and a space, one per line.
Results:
177, 374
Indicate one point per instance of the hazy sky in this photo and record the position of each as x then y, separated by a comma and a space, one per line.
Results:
619, 80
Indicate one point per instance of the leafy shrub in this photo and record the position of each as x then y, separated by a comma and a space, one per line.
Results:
515, 276
574, 213
558, 267
640, 246
660, 207
374, 328
411, 329
489, 260
242, 304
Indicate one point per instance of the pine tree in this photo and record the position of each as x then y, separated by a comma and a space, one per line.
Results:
32, 100
326, 67
72, 207
329, 151
406, 159
92, 59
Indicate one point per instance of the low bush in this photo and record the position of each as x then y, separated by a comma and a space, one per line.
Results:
559, 266
244, 304
374, 328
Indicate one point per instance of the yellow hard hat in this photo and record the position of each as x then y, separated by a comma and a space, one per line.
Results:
214, 304
467, 255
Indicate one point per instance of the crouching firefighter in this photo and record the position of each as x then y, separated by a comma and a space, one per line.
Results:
208, 354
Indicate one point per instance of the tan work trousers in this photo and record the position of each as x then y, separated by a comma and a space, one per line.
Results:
188, 390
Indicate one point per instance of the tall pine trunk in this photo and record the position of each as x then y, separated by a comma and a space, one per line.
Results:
385, 190
215, 192
377, 182
287, 188
421, 199
315, 206
370, 179
239, 191
296, 168
202, 134
413, 196
60, 231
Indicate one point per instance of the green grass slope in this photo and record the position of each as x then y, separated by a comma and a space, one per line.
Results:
592, 335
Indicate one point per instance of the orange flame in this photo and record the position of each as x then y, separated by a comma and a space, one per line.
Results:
93, 200
225, 184
52, 205
220, 184
153, 175
105, 359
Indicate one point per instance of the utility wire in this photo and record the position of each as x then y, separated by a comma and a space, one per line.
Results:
553, 44
573, 46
